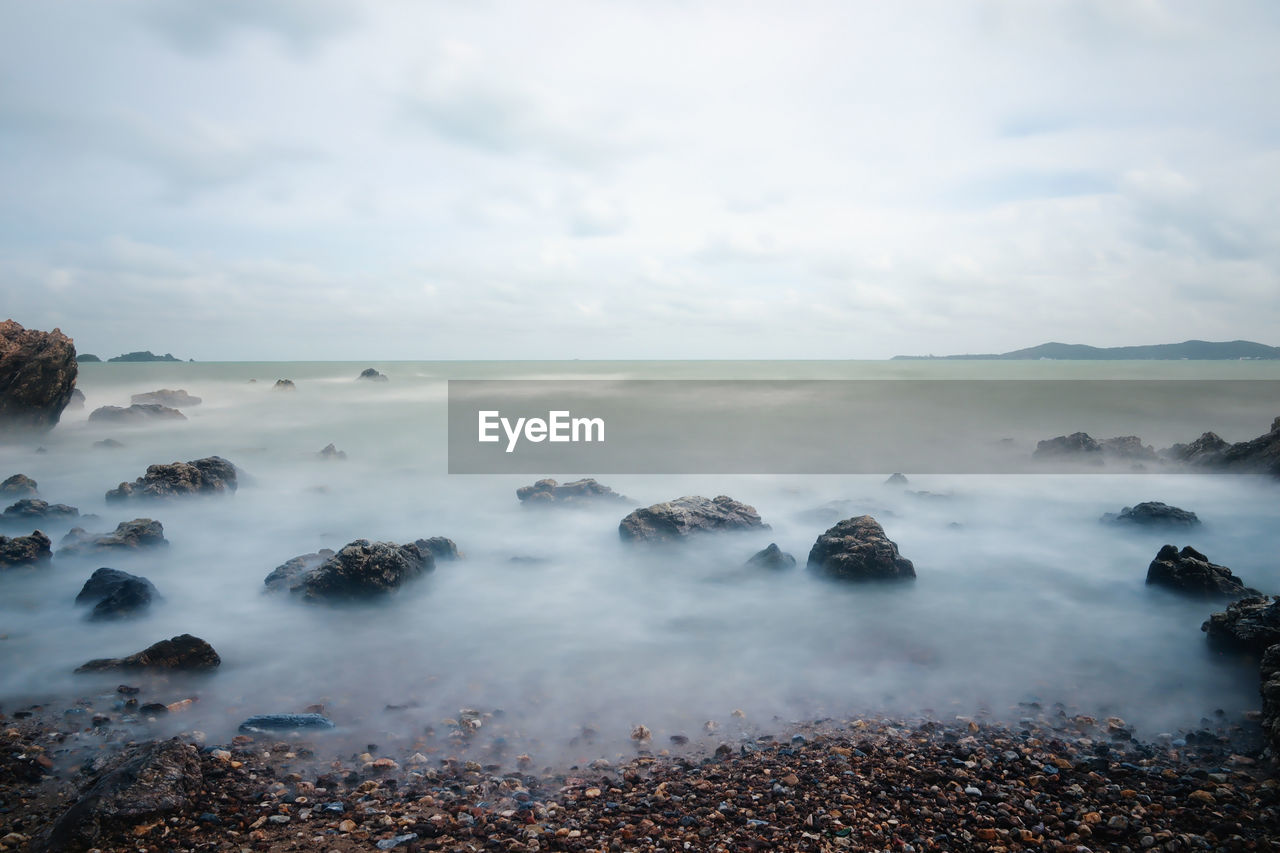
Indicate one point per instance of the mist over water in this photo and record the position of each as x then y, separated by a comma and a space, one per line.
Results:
1022, 595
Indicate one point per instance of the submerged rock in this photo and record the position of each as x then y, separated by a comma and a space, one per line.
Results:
211, 475
108, 444
32, 550
858, 549
146, 783
897, 479
167, 397
116, 595
548, 492
772, 557
1190, 572
371, 375
676, 520
77, 400
1249, 624
1153, 514
183, 653
331, 452
19, 486
128, 536
361, 570
284, 722
37, 376
138, 413
285, 385
33, 508
439, 547
284, 575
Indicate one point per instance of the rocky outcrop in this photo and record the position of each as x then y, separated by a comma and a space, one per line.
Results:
1270, 672
331, 452
128, 536
144, 785
182, 653
688, 516
1190, 572
1261, 454
1249, 624
34, 509
284, 723
439, 547
857, 549
19, 486
37, 375
1128, 447
30, 550
1205, 448
114, 594
135, 415
88, 358
1153, 514
285, 385
361, 570
371, 375
1075, 446
897, 479
772, 557
548, 492
143, 355
208, 476
178, 399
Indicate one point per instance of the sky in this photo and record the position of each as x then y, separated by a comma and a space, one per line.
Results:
321, 179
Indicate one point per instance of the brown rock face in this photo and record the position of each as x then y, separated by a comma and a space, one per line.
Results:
857, 549
37, 376
183, 652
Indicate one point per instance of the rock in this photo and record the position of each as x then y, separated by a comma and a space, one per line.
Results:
687, 516
1261, 454
285, 385
1270, 673
143, 355
371, 375
76, 402
361, 570
772, 557
30, 550
108, 444
166, 397
858, 549
1204, 449
547, 492
1077, 445
19, 486
439, 548
331, 452
33, 508
1191, 573
146, 783
211, 475
116, 595
37, 375
88, 358
1249, 624
1153, 514
896, 479
285, 722
128, 536
1128, 447
138, 413
184, 653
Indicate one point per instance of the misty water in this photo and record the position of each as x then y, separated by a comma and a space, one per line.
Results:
1022, 594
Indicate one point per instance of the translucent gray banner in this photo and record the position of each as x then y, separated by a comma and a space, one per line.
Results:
547, 427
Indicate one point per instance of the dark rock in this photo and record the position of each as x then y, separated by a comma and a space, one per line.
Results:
128, 536
690, 515
138, 413
1270, 672
439, 548
1153, 514
285, 385
77, 399
33, 508
361, 570
547, 492
772, 557
896, 479
19, 486
285, 722
857, 549
211, 475
1261, 454
1076, 445
1249, 624
184, 652
116, 595
1190, 572
166, 397
1204, 449
331, 452
108, 444
372, 375
1128, 447
88, 358
37, 375
25, 550
143, 355
146, 783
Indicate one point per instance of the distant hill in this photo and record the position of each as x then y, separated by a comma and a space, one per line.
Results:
86, 358
146, 355
1193, 350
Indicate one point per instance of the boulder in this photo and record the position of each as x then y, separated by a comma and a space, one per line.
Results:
178, 399
116, 595
1248, 624
211, 475
37, 376
1153, 514
28, 509
145, 784
284, 723
360, 570
688, 516
1078, 445
30, 550
182, 653
1190, 572
371, 375
548, 492
138, 413
285, 385
897, 479
857, 549
1270, 672
128, 536
439, 548
331, 452
19, 486
772, 557
76, 403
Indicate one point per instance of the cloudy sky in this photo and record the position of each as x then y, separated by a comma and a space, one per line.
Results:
308, 179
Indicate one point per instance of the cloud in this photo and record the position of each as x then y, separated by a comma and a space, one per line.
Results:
208, 28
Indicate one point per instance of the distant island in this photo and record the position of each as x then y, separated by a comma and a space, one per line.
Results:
87, 358
146, 355
1191, 350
